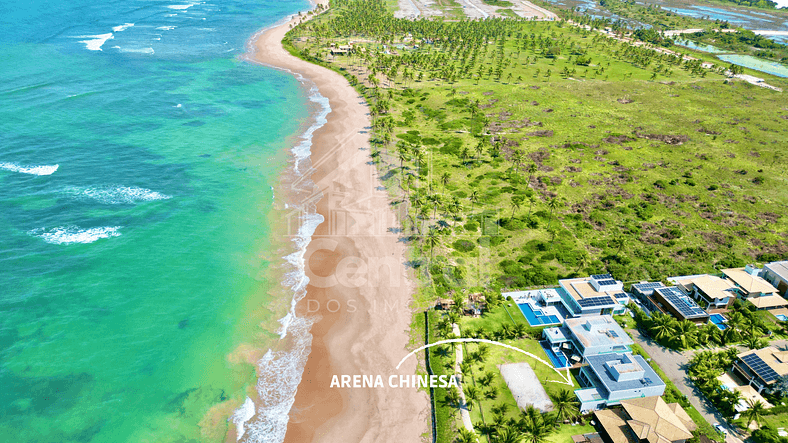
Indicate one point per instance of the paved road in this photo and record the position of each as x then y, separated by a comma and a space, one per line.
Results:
674, 365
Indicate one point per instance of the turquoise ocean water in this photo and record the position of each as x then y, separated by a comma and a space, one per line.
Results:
138, 157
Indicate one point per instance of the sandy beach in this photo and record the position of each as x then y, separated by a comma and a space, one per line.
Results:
358, 281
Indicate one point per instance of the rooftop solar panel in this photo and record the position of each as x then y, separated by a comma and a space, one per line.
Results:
649, 285
760, 367
647, 288
685, 305
599, 277
596, 301
622, 295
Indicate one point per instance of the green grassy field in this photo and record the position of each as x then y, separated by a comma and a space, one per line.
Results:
522, 152
546, 375
648, 178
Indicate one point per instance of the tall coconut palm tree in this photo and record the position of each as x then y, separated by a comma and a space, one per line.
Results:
445, 177
754, 342
755, 412
531, 200
552, 204
486, 379
517, 201
532, 168
453, 396
402, 154
432, 240
455, 207
509, 435
517, 159
618, 242
466, 436
730, 335
662, 326
685, 334
536, 427
479, 150
471, 395
484, 352
474, 198
566, 405
519, 330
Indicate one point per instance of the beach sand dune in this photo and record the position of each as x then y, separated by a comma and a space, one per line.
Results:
364, 316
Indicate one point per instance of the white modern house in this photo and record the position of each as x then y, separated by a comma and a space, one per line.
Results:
776, 273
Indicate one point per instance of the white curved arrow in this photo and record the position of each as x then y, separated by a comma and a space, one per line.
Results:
565, 379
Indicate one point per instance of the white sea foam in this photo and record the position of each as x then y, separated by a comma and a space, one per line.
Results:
122, 27
115, 195
138, 50
280, 372
242, 415
182, 7
66, 235
166, 28
34, 170
95, 42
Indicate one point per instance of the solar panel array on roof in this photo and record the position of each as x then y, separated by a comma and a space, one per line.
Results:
685, 305
622, 295
599, 277
760, 367
650, 285
595, 301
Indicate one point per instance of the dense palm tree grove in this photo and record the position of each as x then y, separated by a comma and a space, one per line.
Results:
440, 150
743, 326
488, 187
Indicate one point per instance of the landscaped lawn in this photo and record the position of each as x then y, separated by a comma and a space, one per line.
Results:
499, 355
566, 431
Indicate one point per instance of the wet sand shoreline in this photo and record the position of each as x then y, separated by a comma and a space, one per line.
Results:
355, 264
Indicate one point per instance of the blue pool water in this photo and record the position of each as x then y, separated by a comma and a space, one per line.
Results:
718, 320
782, 317
536, 317
557, 358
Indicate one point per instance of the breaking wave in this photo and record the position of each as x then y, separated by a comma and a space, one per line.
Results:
115, 195
66, 235
34, 170
280, 372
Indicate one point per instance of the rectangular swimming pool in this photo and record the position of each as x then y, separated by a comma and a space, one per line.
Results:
536, 317
557, 358
718, 320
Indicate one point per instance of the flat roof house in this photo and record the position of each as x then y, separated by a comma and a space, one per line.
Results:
583, 336
645, 420
612, 378
761, 367
595, 335
755, 289
596, 295
776, 273
670, 300
713, 293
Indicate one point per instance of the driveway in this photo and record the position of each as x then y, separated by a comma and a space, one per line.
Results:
674, 364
